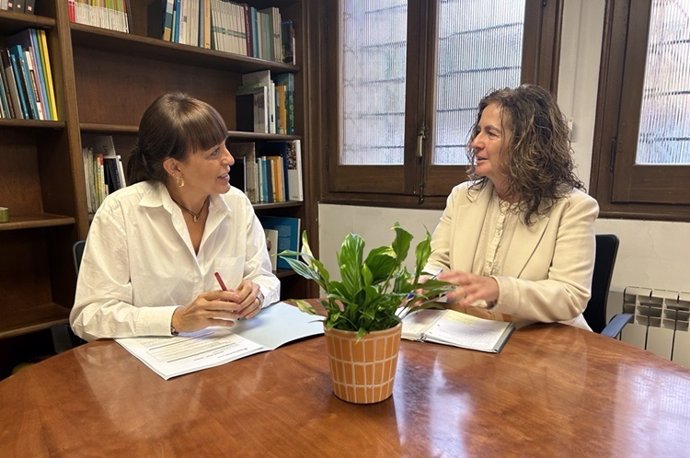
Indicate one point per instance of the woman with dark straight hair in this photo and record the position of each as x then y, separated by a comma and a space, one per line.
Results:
179, 249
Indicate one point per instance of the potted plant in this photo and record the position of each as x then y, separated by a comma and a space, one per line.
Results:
363, 310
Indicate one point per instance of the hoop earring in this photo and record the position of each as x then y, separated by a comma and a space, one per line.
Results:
179, 181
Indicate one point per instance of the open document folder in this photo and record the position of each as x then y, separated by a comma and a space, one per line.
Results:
449, 327
172, 356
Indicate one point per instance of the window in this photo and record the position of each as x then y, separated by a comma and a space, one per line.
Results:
409, 76
641, 168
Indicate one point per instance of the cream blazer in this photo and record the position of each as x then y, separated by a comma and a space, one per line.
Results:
547, 275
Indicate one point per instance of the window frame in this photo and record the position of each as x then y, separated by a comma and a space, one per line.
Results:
417, 183
622, 188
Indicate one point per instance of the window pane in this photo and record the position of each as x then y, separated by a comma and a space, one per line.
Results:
374, 57
665, 117
479, 49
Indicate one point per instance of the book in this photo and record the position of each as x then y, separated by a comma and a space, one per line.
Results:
272, 246
21, 83
12, 83
449, 327
170, 357
288, 42
7, 110
294, 171
48, 74
262, 78
246, 151
238, 175
251, 110
288, 234
287, 80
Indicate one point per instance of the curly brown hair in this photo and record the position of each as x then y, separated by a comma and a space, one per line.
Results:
538, 161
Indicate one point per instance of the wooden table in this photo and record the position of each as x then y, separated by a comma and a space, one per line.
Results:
553, 391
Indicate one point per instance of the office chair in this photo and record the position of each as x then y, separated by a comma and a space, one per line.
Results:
595, 313
77, 253
63, 337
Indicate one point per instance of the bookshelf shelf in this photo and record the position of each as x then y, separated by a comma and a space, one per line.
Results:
273, 206
32, 124
107, 128
35, 221
284, 273
241, 135
131, 129
132, 44
14, 22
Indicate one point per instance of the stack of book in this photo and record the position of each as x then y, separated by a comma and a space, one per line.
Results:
265, 103
107, 14
103, 169
228, 26
26, 79
18, 6
268, 172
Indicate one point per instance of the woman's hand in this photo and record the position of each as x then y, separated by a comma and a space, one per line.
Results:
471, 288
250, 298
218, 308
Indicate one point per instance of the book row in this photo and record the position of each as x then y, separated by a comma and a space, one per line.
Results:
107, 14
18, 6
26, 80
268, 172
266, 103
228, 26
103, 169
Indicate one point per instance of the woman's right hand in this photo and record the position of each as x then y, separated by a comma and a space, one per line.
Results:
213, 308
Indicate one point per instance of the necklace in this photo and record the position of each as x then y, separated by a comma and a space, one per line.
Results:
195, 216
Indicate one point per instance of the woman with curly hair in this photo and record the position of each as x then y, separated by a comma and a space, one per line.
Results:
518, 238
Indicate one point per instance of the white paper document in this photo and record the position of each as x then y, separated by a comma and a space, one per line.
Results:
449, 327
172, 356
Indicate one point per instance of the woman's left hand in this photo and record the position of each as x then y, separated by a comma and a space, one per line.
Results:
471, 288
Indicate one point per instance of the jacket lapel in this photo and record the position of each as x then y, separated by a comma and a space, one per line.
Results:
470, 226
525, 242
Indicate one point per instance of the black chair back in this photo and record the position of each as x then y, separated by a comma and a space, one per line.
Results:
77, 252
604, 261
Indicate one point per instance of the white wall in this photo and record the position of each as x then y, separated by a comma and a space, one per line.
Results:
652, 253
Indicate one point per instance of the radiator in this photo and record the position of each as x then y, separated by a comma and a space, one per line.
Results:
660, 322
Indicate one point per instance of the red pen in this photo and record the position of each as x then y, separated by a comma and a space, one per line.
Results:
220, 281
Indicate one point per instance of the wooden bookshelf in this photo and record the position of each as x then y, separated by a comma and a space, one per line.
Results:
103, 82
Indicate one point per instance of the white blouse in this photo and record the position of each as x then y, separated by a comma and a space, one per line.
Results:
139, 263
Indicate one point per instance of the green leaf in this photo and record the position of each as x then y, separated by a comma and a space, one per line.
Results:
401, 244
422, 253
382, 262
349, 261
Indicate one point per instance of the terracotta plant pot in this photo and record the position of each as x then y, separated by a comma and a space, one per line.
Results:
363, 372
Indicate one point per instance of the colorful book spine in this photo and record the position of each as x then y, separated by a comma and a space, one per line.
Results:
48, 74
21, 83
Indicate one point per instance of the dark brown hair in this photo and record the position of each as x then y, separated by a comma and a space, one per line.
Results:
174, 125
538, 160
